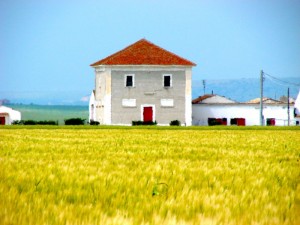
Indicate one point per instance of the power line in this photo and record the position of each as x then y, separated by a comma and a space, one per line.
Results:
262, 76
286, 82
278, 82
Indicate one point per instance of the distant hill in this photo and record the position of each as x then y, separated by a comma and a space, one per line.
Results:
4, 101
246, 89
79, 97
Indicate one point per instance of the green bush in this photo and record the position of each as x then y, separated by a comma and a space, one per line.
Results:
74, 121
92, 122
34, 122
29, 122
139, 123
47, 122
17, 122
175, 123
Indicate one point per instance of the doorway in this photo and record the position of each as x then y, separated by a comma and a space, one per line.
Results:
2, 120
148, 114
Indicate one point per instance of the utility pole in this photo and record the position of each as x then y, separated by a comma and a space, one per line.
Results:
261, 97
288, 106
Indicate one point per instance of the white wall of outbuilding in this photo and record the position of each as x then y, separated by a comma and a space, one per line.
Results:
251, 112
9, 114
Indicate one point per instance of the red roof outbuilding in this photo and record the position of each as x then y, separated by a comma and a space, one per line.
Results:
143, 52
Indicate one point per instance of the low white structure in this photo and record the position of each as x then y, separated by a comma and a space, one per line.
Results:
92, 107
8, 115
297, 105
249, 113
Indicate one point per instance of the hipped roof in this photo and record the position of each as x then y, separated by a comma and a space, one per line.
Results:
143, 52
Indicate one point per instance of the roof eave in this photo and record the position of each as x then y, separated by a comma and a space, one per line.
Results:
94, 65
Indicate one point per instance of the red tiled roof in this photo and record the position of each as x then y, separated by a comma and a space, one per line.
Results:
265, 100
144, 52
201, 98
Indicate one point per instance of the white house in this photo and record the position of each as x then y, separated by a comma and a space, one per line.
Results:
142, 82
8, 115
219, 110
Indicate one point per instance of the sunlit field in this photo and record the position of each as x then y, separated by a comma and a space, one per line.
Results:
149, 176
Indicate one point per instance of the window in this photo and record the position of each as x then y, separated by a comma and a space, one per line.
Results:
129, 80
238, 121
167, 80
271, 121
217, 121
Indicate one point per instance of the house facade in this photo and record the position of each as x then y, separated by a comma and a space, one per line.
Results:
142, 82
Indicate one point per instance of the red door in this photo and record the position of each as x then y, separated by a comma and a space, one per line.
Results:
148, 114
2, 120
241, 122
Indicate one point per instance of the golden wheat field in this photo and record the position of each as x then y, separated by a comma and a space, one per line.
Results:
149, 176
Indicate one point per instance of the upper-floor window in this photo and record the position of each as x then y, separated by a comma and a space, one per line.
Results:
129, 80
167, 80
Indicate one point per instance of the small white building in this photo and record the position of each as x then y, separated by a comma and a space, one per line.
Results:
220, 110
297, 105
8, 115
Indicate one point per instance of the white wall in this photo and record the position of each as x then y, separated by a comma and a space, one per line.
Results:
251, 112
102, 104
92, 107
110, 93
188, 97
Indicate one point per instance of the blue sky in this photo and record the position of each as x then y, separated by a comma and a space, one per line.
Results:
46, 47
